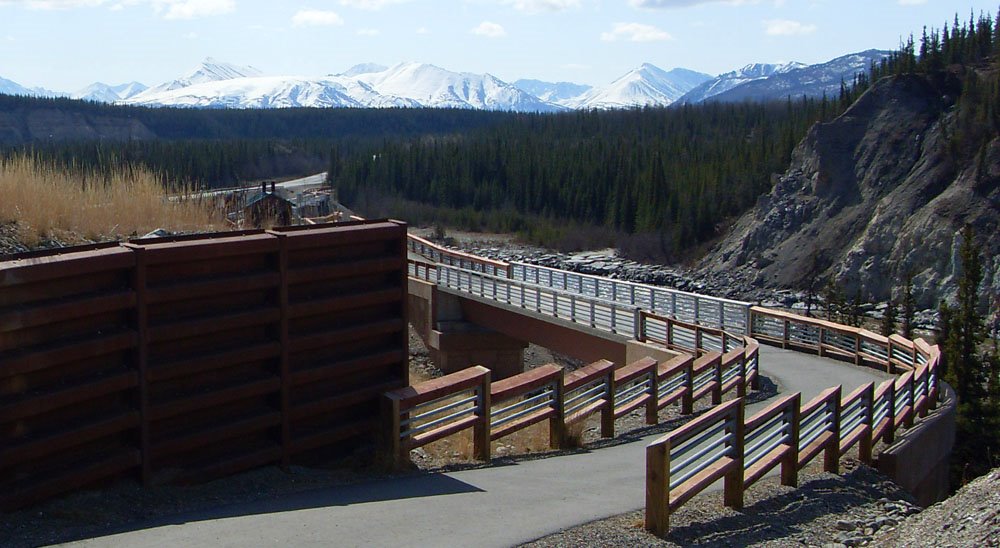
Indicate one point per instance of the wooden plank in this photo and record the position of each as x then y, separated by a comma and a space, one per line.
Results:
40, 269
58, 442
330, 436
46, 402
523, 383
773, 458
588, 374
685, 491
40, 488
200, 326
433, 389
444, 431
340, 400
352, 269
162, 410
214, 434
635, 370
779, 406
192, 289
340, 303
312, 341
224, 467
50, 312
30, 360
202, 362
694, 427
814, 448
343, 368
208, 247
521, 423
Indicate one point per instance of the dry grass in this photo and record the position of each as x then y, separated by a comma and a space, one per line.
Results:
52, 203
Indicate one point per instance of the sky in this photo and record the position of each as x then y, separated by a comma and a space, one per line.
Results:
64, 45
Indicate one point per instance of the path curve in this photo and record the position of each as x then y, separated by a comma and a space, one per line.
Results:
502, 505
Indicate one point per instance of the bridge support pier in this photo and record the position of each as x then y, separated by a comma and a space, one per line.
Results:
457, 345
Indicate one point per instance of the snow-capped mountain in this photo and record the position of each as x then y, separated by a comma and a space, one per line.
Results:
647, 85
105, 93
811, 81
433, 86
725, 82
210, 70
404, 85
553, 92
363, 68
10, 87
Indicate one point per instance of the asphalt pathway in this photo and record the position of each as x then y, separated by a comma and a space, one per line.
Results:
502, 505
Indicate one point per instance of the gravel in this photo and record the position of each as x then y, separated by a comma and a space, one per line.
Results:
826, 510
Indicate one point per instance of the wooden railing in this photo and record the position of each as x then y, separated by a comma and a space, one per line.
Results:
420, 414
787, 433
451, 257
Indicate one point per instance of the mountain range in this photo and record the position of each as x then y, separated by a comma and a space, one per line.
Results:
216, 84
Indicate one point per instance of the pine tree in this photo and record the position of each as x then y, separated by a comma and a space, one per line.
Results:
908, 306
889, 318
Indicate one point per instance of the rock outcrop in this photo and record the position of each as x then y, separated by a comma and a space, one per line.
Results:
875, 193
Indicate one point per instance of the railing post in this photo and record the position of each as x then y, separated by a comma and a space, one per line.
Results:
820, 351
652, 406
557, 424
687, 401
831, 456
608, 413
784, 336
640, 325
717, 392
481, 431
733, 484
392, 444
890, 432
658, 487
790, 464
857, 349
913, 403
865, 445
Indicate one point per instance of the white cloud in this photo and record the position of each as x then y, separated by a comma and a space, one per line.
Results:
667, 4
371, 5
368, 32
635, 32
786, 27
538, 6
316, 18
192, 9
489, 30
53, 4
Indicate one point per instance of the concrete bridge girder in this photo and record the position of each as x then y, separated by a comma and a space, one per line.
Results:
461, 330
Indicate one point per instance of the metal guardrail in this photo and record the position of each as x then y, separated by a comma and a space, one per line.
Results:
588, 311
726, 314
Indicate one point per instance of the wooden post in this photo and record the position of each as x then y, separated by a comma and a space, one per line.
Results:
481, 431
652, 405
790, 464
890, 433
557, 424
831, 455
717, 393
784, 336
857, 348
142, 360
392, 446
865, 444
670, 334
658, 487
820, 350
733, 484
284, 365
608, 412
913, 403
687, 400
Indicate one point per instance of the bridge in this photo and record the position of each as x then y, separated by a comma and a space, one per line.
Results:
665, 347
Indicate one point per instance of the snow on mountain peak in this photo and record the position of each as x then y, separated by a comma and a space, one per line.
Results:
645, 85
364, 68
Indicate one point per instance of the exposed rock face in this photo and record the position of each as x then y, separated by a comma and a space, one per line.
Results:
53, 124
870, 195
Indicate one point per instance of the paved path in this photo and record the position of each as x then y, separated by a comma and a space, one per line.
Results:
497, 506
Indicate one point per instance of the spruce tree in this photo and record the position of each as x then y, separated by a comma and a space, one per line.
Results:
889, 318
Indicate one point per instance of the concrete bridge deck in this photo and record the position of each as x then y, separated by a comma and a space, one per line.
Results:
495, 506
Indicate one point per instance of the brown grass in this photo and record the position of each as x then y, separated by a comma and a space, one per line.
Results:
52, 203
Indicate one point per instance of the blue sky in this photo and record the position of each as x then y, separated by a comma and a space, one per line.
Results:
66, 44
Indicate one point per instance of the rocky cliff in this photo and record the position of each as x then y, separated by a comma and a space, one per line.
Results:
878, 191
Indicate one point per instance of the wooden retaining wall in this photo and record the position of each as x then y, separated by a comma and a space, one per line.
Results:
185, 359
